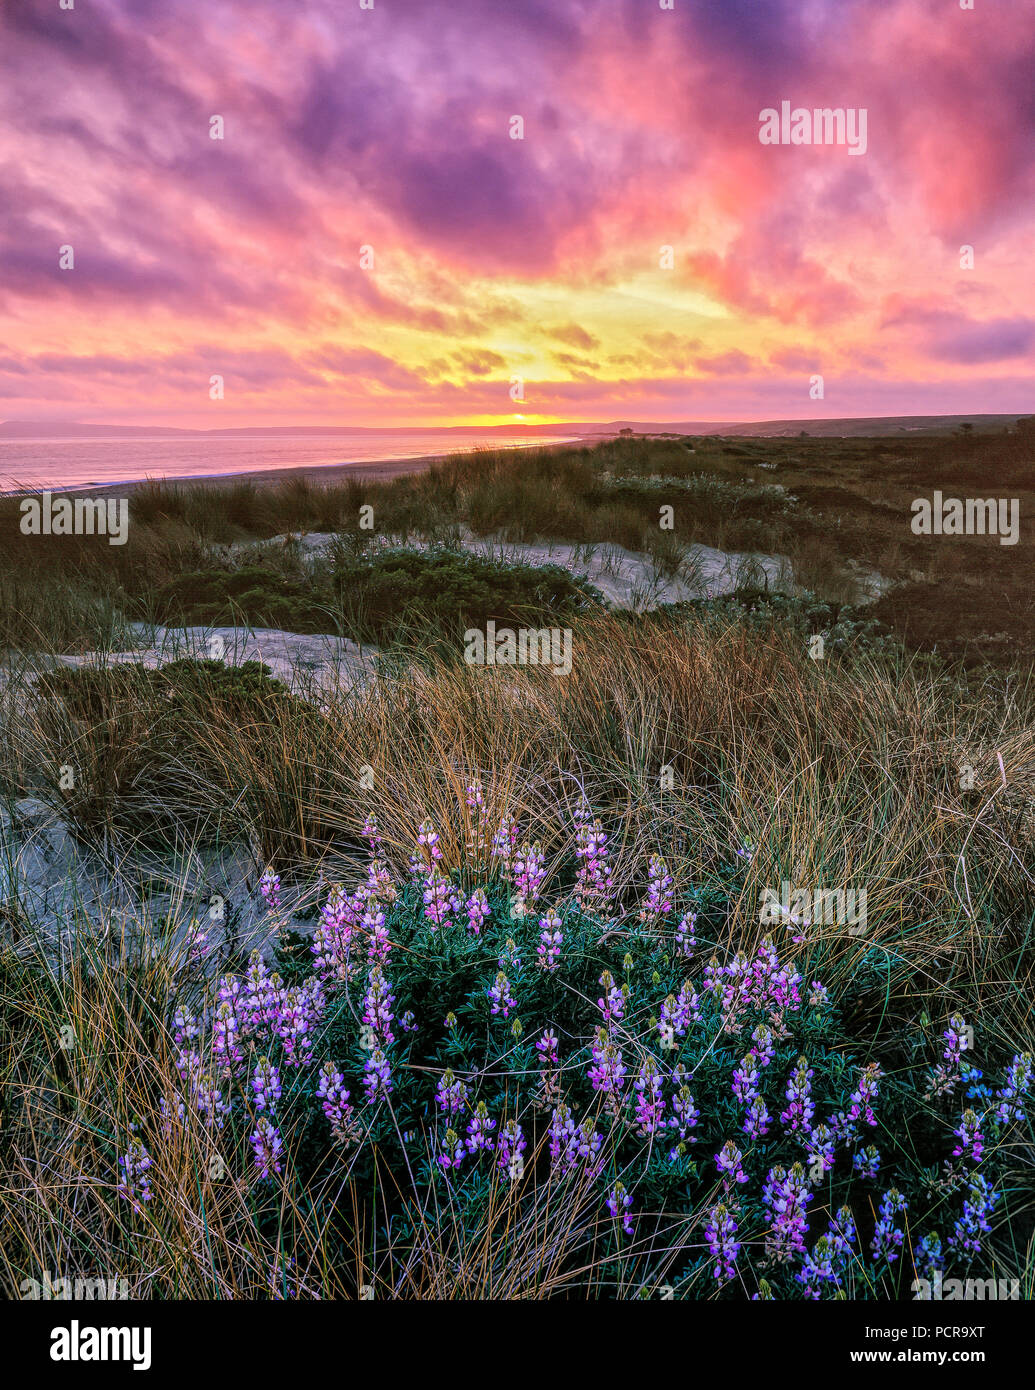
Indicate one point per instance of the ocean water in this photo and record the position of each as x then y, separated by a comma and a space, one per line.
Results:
27, 464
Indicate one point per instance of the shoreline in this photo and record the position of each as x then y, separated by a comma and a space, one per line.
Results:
371, 470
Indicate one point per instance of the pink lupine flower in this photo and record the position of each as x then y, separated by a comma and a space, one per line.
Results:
478, 910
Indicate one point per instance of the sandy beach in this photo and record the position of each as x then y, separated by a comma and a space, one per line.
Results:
369, 470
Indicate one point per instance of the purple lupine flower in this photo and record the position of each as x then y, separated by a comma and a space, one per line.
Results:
887, 1238
479, 1130
658, 902
728, 1161
799, 1112
972, 1141
819, 1149
225, 1046
720, 1232
479, 816
745, 1078
571, 1144
586, 1144
171, 1113
452, 1153
377, 1006
686, 938
428, 841
300, 1008
819, 995
860, 1106
677, 1013
335, 1102
1018, 1082
372, 833
551, 938
762, 984
504, 843
593, 882
650, 1103
186, 1027
510, 1148
826, 1262
195, 941
375, 926
377, 1076
946, 1074
866, 1162
930, 1259
269, 886
757, 1119
607, 1070
501, 999
478, 910
260, 997
978, 1205
208, 1099
266, 1085
450, 1093
134, 1185
332, 940
684, 1117
764, 1045
379, 885
549, 1091
612, 1002
267, 1143
786, 1195
618, 1203
441, 899
529, 870
562, 1128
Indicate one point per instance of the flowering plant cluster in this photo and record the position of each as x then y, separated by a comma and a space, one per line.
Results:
538, 1028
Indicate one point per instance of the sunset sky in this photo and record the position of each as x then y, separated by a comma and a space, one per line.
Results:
496, 258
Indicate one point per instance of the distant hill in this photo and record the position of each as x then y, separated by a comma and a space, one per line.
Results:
851, 427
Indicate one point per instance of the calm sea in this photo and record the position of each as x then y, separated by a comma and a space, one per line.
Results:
66, 463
